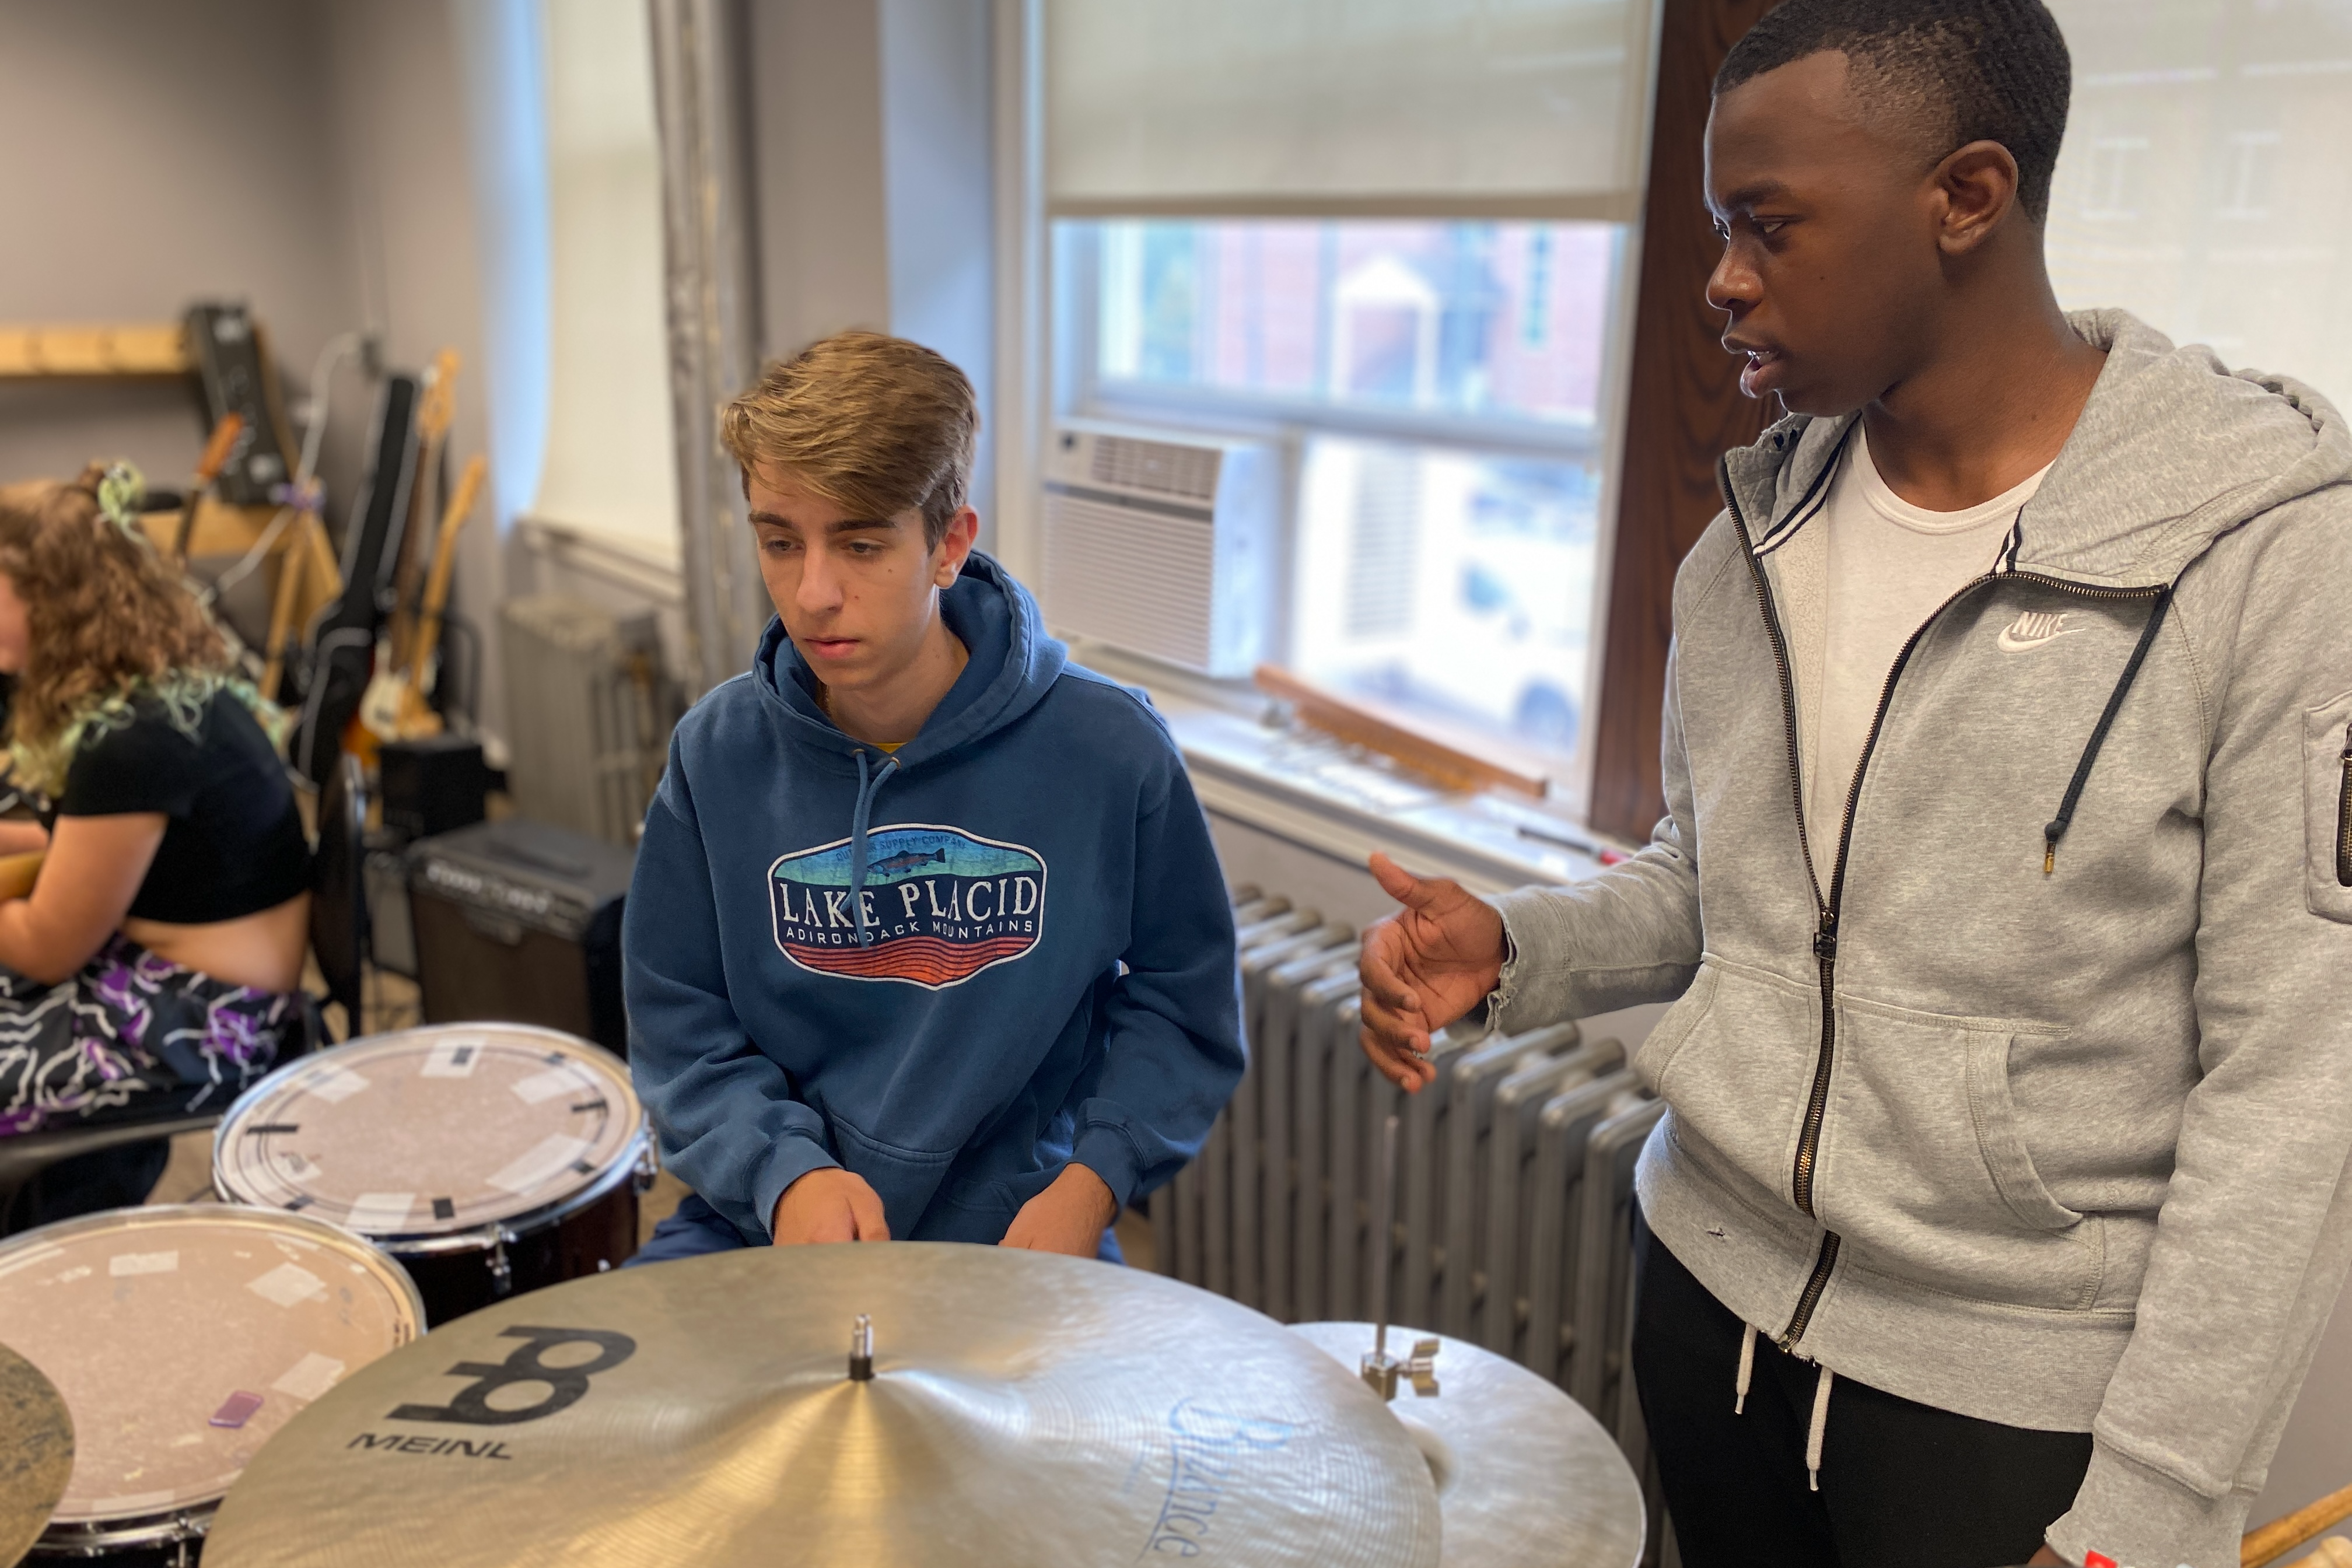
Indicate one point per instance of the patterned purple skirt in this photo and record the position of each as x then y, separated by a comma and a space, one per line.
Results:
130, 1037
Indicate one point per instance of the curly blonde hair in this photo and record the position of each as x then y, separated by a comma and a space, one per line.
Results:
110, 621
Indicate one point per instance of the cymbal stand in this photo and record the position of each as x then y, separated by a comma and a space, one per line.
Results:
1378, 1368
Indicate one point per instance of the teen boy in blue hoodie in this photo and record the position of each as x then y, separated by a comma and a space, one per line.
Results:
927, 937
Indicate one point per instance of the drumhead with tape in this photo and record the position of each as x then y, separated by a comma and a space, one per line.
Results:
431, 1131
182, 1337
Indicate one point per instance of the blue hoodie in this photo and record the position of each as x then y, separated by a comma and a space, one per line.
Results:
951, 970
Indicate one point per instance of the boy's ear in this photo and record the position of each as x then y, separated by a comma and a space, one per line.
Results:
955, 546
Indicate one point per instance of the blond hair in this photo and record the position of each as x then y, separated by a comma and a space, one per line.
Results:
872, 423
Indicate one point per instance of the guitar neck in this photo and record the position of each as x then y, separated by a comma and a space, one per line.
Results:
444, 558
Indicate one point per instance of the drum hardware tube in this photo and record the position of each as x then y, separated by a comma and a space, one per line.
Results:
861, 1350
1378, 1368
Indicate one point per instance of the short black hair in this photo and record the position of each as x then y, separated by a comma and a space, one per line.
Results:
1973, 70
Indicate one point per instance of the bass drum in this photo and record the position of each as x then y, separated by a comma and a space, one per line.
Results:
490, 1159
181, 1338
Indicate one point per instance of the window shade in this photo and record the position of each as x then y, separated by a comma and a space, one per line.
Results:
2204, 186
1346, 108
609, 466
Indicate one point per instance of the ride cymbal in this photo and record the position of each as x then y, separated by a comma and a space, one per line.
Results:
1023, 1409
37, 1448
1526, 1477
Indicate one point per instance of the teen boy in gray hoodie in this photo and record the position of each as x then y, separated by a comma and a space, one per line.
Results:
2006, 879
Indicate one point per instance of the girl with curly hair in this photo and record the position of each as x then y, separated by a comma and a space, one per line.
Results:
155, 968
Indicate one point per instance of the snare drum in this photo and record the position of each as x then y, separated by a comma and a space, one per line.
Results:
181, 1337
488, 1158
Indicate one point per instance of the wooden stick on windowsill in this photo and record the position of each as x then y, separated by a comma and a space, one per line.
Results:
1449, 766
2280, 1536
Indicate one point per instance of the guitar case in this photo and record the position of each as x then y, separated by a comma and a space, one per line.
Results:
342, 642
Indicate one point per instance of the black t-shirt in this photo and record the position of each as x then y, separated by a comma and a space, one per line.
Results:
234, 842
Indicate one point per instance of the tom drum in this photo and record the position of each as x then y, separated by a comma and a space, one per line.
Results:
490, 1159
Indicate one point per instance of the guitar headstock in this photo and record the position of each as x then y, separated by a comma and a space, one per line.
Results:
440, 402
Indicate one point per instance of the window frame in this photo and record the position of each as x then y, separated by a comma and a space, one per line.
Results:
1077, 390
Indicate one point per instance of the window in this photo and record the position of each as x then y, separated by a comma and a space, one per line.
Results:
609, 469
1388, 240
1441, 383
2203, 185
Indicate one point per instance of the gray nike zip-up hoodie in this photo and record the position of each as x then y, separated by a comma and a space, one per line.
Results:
2031, 1099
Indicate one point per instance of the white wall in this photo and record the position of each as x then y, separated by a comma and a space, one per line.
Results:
817, 162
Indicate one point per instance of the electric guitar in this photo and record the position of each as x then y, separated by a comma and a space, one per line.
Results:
375, 720
396, 709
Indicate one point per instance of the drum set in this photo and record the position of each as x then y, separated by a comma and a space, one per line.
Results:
254, 1382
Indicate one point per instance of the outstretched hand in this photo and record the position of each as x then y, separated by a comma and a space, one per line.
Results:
1423, 968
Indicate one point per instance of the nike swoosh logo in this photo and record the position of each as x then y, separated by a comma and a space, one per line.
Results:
2032, 630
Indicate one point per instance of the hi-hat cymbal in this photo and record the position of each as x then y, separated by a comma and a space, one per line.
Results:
1023, 1409
1526, 1477
36, 1449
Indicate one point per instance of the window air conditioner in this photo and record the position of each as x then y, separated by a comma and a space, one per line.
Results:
1162, 542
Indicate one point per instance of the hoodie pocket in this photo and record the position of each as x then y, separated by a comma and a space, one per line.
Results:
1925, 1169
1733, 1060
906, 1180
2328, 807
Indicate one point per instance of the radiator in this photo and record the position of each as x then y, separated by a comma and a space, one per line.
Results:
589, 712
1515, 1180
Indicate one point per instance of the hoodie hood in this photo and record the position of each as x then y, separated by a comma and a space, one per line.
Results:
1013, 662
2173, 450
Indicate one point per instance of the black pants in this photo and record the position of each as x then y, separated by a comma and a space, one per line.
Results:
1902, 1485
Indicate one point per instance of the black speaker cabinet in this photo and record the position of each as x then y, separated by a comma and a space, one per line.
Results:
520, 922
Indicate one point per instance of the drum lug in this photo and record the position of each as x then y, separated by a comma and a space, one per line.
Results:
648, 1166
501, 1271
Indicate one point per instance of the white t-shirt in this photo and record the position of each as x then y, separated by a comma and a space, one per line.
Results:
1891, 564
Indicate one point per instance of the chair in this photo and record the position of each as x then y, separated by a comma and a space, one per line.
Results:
338, 934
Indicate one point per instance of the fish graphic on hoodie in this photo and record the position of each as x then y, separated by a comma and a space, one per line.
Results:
951, 969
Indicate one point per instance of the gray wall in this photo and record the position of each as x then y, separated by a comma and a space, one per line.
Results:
156, 152
308, 158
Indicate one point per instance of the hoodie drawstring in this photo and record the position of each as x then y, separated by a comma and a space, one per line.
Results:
1816, 1428
2059, 824
868, 788
1747, 1369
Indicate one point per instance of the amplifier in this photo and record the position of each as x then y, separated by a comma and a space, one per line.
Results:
520, 922
431, 784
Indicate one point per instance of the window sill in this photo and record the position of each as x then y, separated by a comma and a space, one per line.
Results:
1323, 795
634, 561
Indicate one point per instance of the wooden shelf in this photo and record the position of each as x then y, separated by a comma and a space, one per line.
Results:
134, 349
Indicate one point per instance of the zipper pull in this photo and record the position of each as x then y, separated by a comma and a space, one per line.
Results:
1825, 939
